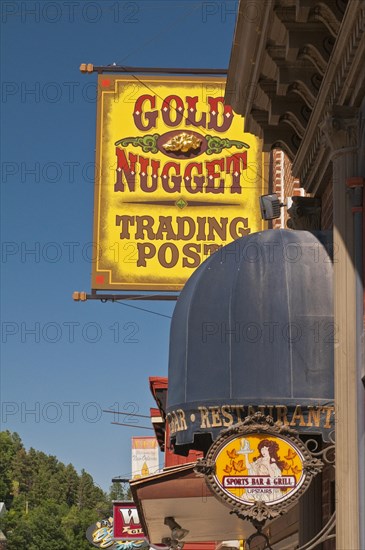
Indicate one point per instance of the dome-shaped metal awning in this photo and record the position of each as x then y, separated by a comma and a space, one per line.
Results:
253, 331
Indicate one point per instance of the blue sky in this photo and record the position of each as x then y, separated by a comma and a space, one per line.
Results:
63, 362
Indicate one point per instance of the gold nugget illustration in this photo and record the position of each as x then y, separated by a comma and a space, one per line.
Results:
182, 143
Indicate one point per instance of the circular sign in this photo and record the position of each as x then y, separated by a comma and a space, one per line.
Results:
259, 467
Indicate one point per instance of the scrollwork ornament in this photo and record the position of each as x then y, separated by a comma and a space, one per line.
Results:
258, 513
148, 142
326, 455
217, 144
204, 467
313, 466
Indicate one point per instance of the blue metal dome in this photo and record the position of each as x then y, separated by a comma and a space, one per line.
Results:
253, 330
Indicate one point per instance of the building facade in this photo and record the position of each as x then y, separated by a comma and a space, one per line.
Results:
297, 77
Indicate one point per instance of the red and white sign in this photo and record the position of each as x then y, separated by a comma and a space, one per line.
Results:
285, 482
126, 524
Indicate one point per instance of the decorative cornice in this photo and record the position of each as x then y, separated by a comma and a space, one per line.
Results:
280, 144
311, 53
308, 164
301, 89
322, 12
292, 120
326, 40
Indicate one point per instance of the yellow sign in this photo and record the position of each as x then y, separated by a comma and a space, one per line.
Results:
259, 467
176, 179
144, 456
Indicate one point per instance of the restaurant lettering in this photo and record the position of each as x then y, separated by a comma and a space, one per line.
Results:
225, 416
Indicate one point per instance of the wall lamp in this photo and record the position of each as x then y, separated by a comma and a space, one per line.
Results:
270, 206
177, 533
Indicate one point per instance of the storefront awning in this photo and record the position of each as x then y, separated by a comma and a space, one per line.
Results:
182, 494
253, 331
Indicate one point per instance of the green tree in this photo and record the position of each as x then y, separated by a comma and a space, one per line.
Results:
91, 497
75, 524
71, 485
119, 491
46, 527
10, 445
17, 529
50, 505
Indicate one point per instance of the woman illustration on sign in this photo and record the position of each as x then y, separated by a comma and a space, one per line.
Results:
267, 464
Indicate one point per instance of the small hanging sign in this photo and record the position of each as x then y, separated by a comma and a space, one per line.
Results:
258, 468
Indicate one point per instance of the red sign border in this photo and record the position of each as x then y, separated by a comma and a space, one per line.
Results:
118, 522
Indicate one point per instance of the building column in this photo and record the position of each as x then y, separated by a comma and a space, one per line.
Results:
340, 131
